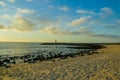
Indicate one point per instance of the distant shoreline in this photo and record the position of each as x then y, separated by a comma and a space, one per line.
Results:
72, 43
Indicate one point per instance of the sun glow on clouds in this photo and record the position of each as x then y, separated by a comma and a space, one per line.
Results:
2, 3
79, 21
12, 1
19, 23
46, 19
85, 12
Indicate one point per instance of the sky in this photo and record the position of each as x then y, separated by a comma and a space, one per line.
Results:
81, 21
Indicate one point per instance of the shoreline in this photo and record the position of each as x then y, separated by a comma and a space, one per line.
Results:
72, 51
104, 65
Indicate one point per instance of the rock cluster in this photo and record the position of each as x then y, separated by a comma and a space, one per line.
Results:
43, 55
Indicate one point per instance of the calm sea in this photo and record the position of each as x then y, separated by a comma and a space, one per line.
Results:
13, 48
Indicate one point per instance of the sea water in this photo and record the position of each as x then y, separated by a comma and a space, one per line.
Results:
21, 48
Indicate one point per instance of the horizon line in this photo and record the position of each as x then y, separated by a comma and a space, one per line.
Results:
55, 42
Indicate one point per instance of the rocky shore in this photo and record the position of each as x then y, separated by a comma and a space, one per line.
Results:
104, 65
49, 54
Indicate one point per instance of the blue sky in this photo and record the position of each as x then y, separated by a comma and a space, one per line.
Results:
62, 20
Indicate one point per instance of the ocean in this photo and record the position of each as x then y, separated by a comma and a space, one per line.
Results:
21, 48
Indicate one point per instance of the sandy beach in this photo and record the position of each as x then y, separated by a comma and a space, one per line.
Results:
102, 66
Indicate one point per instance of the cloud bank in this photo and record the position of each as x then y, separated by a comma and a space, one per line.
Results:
22, 24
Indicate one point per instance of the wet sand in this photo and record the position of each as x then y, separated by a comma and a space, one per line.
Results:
102, 66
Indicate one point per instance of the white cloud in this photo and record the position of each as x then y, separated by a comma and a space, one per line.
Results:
106, 11
59, 31
79, 21
50, 6
2, 3
118, 21
81, 11
85, 12
29, 0
24, 11
46, 1
51, 30
22, 24
19, 23
12, 1
6, 16
64, 8
92, 22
